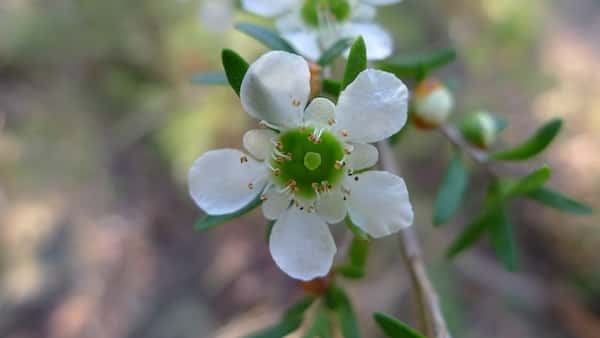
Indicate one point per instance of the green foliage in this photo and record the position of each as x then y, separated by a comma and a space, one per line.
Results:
212, 78
290, 322
500, 229
557, 200
357, 61
332, 87
334, 51
394, 328
321, 326
506, 191
211, 221
337, 300
359, 251
534, 145
266, 36
235, 68
452, 190
417, 65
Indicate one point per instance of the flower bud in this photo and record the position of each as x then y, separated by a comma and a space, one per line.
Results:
480, 129
432, 104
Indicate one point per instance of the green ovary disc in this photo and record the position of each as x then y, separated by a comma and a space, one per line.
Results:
311, 162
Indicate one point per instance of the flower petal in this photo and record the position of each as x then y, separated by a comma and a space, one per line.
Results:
275, 204
258, 142
332, 207
219, 181
381, 2
363, 12
363, 156
267, 7
301, 245
378, 203
305, 42
373, 107
319, 112
378, 41
276, 88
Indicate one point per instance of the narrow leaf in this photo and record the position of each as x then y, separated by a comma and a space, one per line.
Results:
529, 183
321, 326
332, 87
534, 145
419, 64
557, 200
213, 78
266, 36
494, 203
278, 330
394, 328
357, 61
338, 300
334, 51
211, 221
235, 68
452, 190
290, 322
503, 239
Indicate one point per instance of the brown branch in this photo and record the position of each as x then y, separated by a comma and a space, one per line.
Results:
427, 300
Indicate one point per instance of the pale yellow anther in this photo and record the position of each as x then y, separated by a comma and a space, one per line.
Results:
250, 186
331, 122
344, 132
277, 172
339, 164
243, 159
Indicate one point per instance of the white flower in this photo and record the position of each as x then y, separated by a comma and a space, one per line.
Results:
312, 26
309, 165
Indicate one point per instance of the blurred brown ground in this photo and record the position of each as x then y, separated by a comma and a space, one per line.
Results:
99, 123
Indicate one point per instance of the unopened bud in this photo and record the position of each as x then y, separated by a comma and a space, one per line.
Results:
480, 129
432, 104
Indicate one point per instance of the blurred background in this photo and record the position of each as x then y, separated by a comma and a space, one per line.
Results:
99, 123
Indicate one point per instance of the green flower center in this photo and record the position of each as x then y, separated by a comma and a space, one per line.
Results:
338, 9
306, 164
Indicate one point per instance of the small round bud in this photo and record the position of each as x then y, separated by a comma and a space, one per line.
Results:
480, 129
432, 104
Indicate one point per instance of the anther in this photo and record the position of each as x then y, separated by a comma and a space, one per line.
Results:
295, 103
344, 132
277, 172
339, 164
356, 178
243, 159
331, 122
263, 198
348, 149
250, 186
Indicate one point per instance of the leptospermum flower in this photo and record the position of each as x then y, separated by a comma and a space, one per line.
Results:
310, 164
312, 26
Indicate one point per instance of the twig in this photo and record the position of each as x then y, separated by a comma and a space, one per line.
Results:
427, 300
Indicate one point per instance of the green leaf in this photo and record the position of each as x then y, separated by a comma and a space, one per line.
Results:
534, 145
358, 253
266, 36
290, 322
557, 200
452, 190
334, 51
503, 239
213, 78
235, 68
338, 300
394, 328
528, 183
507, 190
320, 328
332, 87
211, 221
417, 65
278, 330
357, 61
